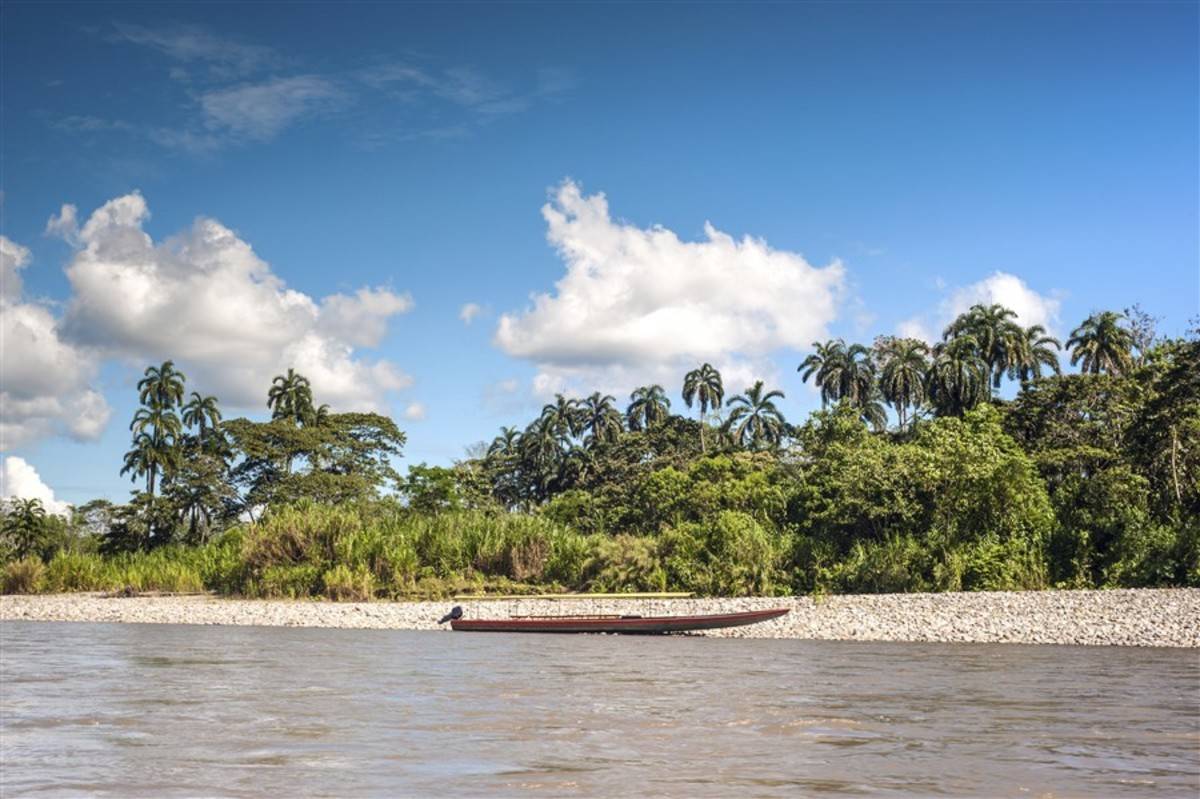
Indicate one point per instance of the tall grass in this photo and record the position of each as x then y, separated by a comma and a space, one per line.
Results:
368, 551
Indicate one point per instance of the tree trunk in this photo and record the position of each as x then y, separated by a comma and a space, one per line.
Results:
703, 446
1175, 464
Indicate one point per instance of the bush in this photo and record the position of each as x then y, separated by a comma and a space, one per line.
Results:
896, 565
345, 584
301, 533
69, 571
624, 564
730, 555
992, 565
170, 570
24, 576
288, 582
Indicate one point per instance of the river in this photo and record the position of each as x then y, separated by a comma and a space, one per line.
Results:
133, 710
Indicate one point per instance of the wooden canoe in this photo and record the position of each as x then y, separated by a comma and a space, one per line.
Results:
627, 625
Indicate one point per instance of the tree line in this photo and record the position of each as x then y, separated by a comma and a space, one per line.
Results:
1084, 479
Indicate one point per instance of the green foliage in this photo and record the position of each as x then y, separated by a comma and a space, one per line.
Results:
1081, 480
732, 555
346, 458
286, 582
25, 527
23, 576
69, 571
342, 583
624, 563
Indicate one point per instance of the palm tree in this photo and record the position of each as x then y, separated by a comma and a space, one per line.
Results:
542, 447
819, 363
562, 416
507, 443
755, 421
998, 338
24, 525
290, 397
1102, 344
703, 386
575, 466
1037, 350
873, 414
958, 380
161, 385
150, 454
856, 375
902, 379
319, 416
601, 419
201, 412
649, 406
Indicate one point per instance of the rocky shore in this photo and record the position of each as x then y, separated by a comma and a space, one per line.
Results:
1142, 617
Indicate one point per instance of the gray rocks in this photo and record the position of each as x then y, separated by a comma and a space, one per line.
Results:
1140, 617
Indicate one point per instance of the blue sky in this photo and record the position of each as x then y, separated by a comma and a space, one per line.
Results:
888, 163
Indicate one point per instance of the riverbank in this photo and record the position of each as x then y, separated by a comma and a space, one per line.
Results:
1135, 617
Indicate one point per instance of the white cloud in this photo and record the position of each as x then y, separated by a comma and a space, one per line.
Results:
13, 258
415, 411
1003, 288
19, 480
205, 299
916, 328
44, 380
468, 312
192, 44
1011, 292
261, 110
640, 304
362, 319
65, 225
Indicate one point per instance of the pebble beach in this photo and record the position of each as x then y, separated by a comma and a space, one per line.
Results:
1136, 617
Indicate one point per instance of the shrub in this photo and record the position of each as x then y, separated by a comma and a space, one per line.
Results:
993, 565
303, 533
344, 584
70, 571
728, 556
625, 564
897, 564
24, 576
288, 582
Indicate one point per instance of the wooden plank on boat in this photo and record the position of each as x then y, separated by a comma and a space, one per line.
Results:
644, 595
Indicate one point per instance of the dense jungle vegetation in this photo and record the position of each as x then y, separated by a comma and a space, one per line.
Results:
1088, 479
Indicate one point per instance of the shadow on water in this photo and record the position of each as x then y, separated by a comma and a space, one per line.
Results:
153, 710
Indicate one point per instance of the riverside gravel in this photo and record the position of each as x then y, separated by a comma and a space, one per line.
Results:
1134, 617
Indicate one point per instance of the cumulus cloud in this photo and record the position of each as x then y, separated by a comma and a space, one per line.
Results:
1003, 288
64, 224
639, 304
261, 110
13, 258
415, 411
44, 380
205, 299
19, 480
468, 312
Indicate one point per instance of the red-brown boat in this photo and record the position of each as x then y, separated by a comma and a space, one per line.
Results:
626, 625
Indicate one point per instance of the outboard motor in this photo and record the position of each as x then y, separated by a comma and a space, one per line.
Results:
454, 614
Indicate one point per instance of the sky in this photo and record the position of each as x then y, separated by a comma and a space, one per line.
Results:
447, 213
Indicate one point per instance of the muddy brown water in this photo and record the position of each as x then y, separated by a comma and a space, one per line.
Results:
131, 710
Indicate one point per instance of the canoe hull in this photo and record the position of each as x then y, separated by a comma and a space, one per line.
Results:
636, 625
